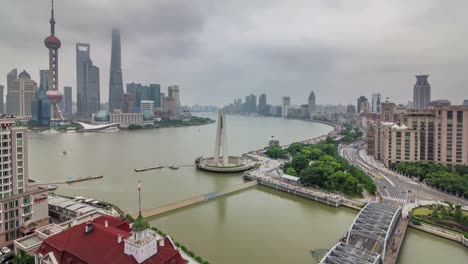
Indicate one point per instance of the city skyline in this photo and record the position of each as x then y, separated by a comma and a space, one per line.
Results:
302, 60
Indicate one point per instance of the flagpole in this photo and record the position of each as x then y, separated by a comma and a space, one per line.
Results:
139, 198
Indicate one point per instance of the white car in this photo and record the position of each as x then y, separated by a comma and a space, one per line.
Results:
6, 250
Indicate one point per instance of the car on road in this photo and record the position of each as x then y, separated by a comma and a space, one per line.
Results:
5, 250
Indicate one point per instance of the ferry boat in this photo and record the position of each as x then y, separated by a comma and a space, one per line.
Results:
174, 167
51, 187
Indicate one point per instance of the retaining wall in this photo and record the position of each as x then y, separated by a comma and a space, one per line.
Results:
308, 195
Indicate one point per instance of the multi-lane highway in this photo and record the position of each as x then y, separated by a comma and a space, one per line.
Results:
393, 188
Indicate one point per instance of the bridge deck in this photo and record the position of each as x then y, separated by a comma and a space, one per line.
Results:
195, 200
343, 253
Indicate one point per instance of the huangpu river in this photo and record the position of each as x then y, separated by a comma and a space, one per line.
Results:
258, 225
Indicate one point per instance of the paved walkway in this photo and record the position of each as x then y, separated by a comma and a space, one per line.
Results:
395, 245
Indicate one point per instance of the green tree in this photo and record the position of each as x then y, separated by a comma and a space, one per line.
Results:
291, 171
458, 215
351, 186
22, 258
295, 148
315, 153
300, 162
276, 153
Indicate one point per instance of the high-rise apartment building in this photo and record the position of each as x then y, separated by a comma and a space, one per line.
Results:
44, 79
388, 111
2, 105
154, 93
171, 105
68, 102
127, 103
376, 101
286, 102
311, 103
361, 104
251, 104
350, 109
173, 92
24, 207
11, 76
21, 95
437, 134
262, 105
40, 109
115, 80
139, 92
147, 106
87, 82
40, 106
421, 92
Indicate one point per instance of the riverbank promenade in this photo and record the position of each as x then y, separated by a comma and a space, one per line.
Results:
278, 184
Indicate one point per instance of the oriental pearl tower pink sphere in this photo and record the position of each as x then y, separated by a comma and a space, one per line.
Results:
53, 44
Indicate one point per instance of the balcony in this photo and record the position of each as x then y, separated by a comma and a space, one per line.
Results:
26, 214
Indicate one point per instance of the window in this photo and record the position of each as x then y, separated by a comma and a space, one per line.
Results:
20, 177
20, 163
20, 184
19, 135
26, 200
19, 142
19, 156
20, 170
20, 190
27, 218
19, 149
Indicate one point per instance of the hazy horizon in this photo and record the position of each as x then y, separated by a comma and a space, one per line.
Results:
221, 50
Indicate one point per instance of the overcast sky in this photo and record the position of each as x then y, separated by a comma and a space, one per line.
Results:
218, 50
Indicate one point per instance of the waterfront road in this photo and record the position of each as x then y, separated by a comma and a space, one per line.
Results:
394, 188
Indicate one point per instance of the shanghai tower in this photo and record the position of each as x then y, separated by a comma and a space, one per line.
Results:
115, 80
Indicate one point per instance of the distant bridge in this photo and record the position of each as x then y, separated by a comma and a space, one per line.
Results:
371, 239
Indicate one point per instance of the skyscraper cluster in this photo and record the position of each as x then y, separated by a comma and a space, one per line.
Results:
87, 82
136, 93
250, 106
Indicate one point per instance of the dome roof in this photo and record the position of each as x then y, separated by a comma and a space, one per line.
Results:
24, 75
140, 224
52, 42
147, 116
102, 116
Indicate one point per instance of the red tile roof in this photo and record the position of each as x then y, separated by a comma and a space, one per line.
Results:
100, 245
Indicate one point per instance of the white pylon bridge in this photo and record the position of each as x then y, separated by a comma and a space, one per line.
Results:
368, 238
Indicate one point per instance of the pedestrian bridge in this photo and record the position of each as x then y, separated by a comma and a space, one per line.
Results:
369, 238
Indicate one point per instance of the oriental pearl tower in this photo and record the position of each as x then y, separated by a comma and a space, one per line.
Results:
53, 94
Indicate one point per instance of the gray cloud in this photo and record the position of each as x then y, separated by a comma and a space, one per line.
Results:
221, 50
